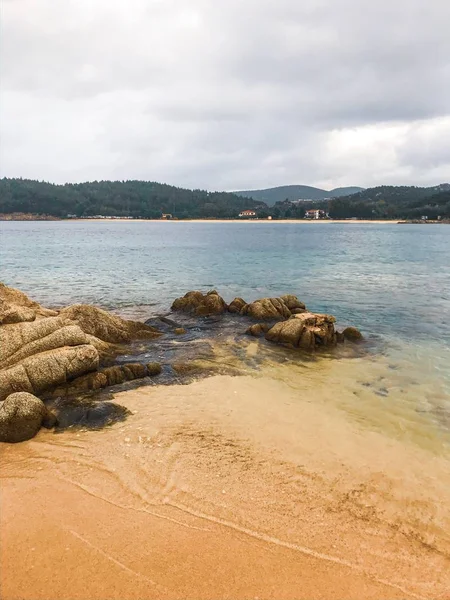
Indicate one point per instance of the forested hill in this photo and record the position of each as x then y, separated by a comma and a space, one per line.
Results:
394, 202
296, 192
144, 199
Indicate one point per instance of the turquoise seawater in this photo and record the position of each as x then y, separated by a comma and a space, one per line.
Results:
391, 281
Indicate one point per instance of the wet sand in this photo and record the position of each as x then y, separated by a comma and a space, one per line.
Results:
230, 487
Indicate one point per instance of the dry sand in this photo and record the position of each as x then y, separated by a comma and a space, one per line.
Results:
230, 487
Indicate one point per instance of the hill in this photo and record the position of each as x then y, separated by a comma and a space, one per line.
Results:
144, 199
271, 196
393, 202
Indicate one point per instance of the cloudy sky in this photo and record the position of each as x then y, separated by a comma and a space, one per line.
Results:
226, 94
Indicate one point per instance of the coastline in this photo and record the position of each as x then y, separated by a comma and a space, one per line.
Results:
201, 494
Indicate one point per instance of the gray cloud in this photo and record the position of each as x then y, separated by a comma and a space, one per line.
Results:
226, 95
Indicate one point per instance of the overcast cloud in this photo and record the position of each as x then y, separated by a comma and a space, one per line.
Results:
226, 94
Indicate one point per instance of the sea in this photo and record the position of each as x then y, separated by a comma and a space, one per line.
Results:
345, 458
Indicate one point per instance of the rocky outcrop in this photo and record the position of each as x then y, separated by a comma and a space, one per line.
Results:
305, 330
267, 309
236, 305
16, 307
36, 374
200, 305
44, 351
105, 326
21, 417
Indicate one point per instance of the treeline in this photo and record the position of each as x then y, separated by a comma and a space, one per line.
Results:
393, 202
150, 200
144, 199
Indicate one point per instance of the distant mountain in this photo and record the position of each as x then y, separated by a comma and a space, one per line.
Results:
296, 192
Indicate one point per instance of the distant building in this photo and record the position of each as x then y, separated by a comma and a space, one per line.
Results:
316, 214
247, 213
166, 216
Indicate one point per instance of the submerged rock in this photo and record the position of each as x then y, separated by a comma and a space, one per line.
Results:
21, 417
154, 368
73, 412
201, 305
352, 334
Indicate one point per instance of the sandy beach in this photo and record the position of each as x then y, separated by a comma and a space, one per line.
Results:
296, 221
230, 487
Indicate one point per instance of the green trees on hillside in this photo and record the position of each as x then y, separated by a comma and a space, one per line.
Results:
144, 199
149, 200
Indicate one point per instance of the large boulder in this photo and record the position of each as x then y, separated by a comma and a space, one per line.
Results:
201, 305
105, 326
267, 309
21, 417
305, 330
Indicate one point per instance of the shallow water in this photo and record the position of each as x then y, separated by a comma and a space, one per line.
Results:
391, 281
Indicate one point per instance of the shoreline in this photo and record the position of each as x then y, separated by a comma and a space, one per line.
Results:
221, 221
298, 503
289, 221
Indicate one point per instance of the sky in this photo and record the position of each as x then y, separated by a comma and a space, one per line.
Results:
226, 94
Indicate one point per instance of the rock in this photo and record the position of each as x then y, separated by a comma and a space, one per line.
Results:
258, 329
298, 311
185, 368
179, 331
267, 309
16, 307
21, 340
340, 338
101, 379
352, 334
21, 417
236, 305
153, 369
42, 371
10, 313
107, 327
305, 330
292, 302
201, 305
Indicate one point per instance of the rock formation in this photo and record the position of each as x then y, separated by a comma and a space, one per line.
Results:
44, 351
267, 309
305, 330
200, 305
